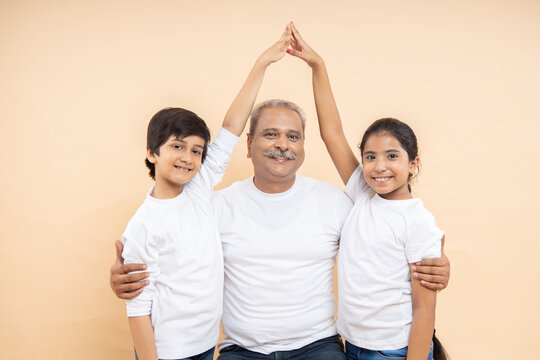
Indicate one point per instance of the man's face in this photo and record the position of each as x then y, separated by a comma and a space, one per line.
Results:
276, 147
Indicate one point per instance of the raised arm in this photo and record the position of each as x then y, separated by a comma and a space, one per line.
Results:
238, 113
327, 112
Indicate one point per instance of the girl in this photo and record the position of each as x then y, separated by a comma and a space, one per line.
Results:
383, 312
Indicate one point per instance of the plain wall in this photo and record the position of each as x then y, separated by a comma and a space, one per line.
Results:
79, 81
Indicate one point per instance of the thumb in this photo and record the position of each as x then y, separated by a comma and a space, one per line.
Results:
119, 248
293, 52
442, 244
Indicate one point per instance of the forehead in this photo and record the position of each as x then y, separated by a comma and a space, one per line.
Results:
382, 141
279, 118
193, 140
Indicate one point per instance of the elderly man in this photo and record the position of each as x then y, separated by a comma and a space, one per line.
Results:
280, 233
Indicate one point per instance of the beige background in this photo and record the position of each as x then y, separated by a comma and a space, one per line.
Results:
79, 82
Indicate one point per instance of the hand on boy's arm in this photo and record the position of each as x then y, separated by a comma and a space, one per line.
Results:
433, 273
126, 286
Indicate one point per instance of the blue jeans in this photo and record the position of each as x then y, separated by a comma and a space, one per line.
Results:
357, 353
207, 355
330, 348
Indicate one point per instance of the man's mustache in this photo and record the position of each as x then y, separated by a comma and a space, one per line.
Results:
277, 154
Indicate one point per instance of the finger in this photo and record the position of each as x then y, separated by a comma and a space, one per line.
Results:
119, 248
429, 278
130, 287
129, 295
432, 286
296, 34
129, 278
430, 270
127, 268
433, 262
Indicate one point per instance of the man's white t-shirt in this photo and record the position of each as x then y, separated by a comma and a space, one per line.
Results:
279, 252
179, 242
379, 239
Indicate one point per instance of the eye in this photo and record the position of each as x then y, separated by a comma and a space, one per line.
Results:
370, 157
178, 147
270, 134
197, 152
293, 137
393, 156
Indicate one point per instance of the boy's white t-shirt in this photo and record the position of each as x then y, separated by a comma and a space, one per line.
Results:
379, 239
179, 242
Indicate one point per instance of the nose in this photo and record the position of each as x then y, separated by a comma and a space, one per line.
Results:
186, 157
281, 143
380, 164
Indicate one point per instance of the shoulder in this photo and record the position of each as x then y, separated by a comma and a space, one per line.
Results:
238, 187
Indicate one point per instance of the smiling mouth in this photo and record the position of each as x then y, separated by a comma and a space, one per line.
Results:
382, 179
182, 169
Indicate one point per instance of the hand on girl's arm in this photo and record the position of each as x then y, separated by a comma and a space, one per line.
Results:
433, 273
421, 334
327, 112
238, 113
143, 337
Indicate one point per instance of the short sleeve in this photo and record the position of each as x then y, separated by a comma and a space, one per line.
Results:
423, 238
343, 207
357, 185
141, 246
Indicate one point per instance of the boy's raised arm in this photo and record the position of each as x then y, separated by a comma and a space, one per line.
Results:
238, 113
327, 112
127, 285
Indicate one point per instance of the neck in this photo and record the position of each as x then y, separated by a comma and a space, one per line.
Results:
166, 191
273, 187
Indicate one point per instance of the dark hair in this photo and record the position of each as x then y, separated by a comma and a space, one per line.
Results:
173, 122
401, 131
439, 352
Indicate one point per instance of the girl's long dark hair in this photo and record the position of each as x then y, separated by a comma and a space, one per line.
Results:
439, 352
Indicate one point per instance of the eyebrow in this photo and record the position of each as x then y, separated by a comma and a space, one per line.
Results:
275, 129
183, 142
387, 151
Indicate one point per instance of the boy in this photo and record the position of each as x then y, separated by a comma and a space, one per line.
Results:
177, 315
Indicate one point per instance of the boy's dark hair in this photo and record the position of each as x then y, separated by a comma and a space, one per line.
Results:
173, 122
401, 131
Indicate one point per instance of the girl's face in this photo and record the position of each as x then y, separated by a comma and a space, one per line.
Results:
386, 166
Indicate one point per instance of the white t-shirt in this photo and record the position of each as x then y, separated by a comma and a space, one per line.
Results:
179, 242
279, 252
379, 239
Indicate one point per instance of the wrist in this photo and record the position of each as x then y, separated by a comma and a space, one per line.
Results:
317, 64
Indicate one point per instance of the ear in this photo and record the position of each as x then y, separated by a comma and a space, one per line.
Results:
413, 165
249, 141
151, 156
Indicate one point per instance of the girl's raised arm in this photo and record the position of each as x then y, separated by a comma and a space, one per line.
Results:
238, 113
327, 112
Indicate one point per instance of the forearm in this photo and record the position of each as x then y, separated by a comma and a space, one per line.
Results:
325, 104
240, 109
143, 337
330, 123
421, 333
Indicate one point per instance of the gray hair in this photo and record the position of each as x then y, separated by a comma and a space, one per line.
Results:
274, 103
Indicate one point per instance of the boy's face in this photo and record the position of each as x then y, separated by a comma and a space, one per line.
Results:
177, 163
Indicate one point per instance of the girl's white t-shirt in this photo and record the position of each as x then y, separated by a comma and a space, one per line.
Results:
380, 238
